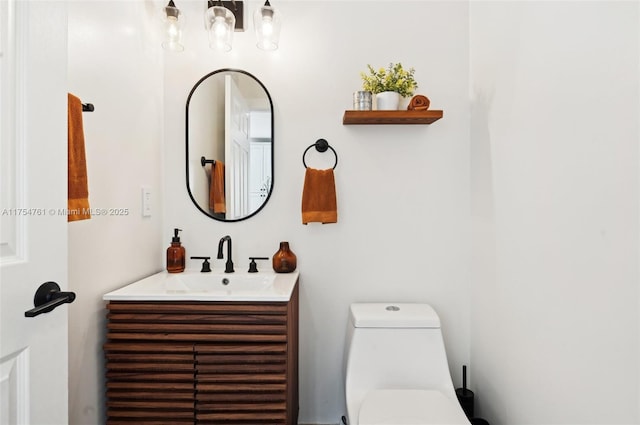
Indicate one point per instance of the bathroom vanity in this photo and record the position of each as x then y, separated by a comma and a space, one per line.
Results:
190, 348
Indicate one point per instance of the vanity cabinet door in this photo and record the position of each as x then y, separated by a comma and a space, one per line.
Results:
149, 376
241, 374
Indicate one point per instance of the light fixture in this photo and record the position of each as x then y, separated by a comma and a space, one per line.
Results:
173, 28
222, 19
267, 22
220, 23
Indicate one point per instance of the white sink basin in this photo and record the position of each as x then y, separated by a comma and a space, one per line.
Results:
219, 282
192, 285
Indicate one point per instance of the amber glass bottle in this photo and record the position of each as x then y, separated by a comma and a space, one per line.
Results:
176, 254
284, 261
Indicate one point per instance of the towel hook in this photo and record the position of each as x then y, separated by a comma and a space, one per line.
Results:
321, 145
204, 161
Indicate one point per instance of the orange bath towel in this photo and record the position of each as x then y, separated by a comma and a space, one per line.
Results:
77, 186
217, 202
319, 197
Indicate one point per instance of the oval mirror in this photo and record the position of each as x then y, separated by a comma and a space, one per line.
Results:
229, 145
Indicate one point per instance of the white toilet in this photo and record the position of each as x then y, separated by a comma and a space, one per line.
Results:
396, 370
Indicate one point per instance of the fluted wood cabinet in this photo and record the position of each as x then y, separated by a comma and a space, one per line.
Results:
179, 362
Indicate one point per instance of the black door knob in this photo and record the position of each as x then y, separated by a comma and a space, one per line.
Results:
49, 296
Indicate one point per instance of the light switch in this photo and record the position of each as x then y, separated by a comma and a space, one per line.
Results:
146, 202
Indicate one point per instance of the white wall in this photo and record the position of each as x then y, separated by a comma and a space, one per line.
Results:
115, 63
554, 172
403, 191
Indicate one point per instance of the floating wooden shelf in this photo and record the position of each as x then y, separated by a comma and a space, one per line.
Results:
391, 117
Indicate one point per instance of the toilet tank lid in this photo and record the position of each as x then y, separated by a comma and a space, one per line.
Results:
393, 315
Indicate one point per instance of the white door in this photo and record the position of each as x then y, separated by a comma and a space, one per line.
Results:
236, 154
33, 233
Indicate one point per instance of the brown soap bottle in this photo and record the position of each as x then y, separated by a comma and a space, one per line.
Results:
176, 254
284, 261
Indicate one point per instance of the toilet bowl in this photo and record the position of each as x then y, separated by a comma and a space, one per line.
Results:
396, 370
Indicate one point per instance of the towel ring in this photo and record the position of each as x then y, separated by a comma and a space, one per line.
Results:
321, 145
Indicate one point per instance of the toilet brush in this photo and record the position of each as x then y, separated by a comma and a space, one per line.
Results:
465, 396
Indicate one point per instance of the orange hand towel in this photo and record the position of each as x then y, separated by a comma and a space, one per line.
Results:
319, 197
77, 186
217, 202
419, 103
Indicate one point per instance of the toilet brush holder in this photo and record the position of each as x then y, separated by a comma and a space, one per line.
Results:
465, 396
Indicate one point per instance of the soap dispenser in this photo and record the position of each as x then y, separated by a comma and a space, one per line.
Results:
175, 254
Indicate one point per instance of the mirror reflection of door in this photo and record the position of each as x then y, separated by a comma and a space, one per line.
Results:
236, 152
260, 158
230, 120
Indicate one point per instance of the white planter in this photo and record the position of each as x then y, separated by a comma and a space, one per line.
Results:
387, 101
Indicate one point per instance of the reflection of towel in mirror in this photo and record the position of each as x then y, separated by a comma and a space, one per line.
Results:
319, 197
217, 202
77, 185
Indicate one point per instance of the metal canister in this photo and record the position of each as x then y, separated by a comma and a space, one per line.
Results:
362, 101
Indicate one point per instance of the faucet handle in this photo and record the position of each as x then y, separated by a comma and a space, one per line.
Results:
253, 267
206, 266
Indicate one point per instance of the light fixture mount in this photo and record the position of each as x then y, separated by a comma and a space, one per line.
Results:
236, 7
172, 10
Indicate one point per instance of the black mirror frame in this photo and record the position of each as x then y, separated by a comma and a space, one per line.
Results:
200, 81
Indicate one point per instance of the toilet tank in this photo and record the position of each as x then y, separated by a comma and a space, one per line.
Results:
394, 346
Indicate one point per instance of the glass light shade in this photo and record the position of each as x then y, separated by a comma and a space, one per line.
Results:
173, 22
267, 22
220, 23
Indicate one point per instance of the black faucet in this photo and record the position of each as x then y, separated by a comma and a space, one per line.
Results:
228, 267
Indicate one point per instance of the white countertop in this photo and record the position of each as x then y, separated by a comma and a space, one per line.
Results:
191, 285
